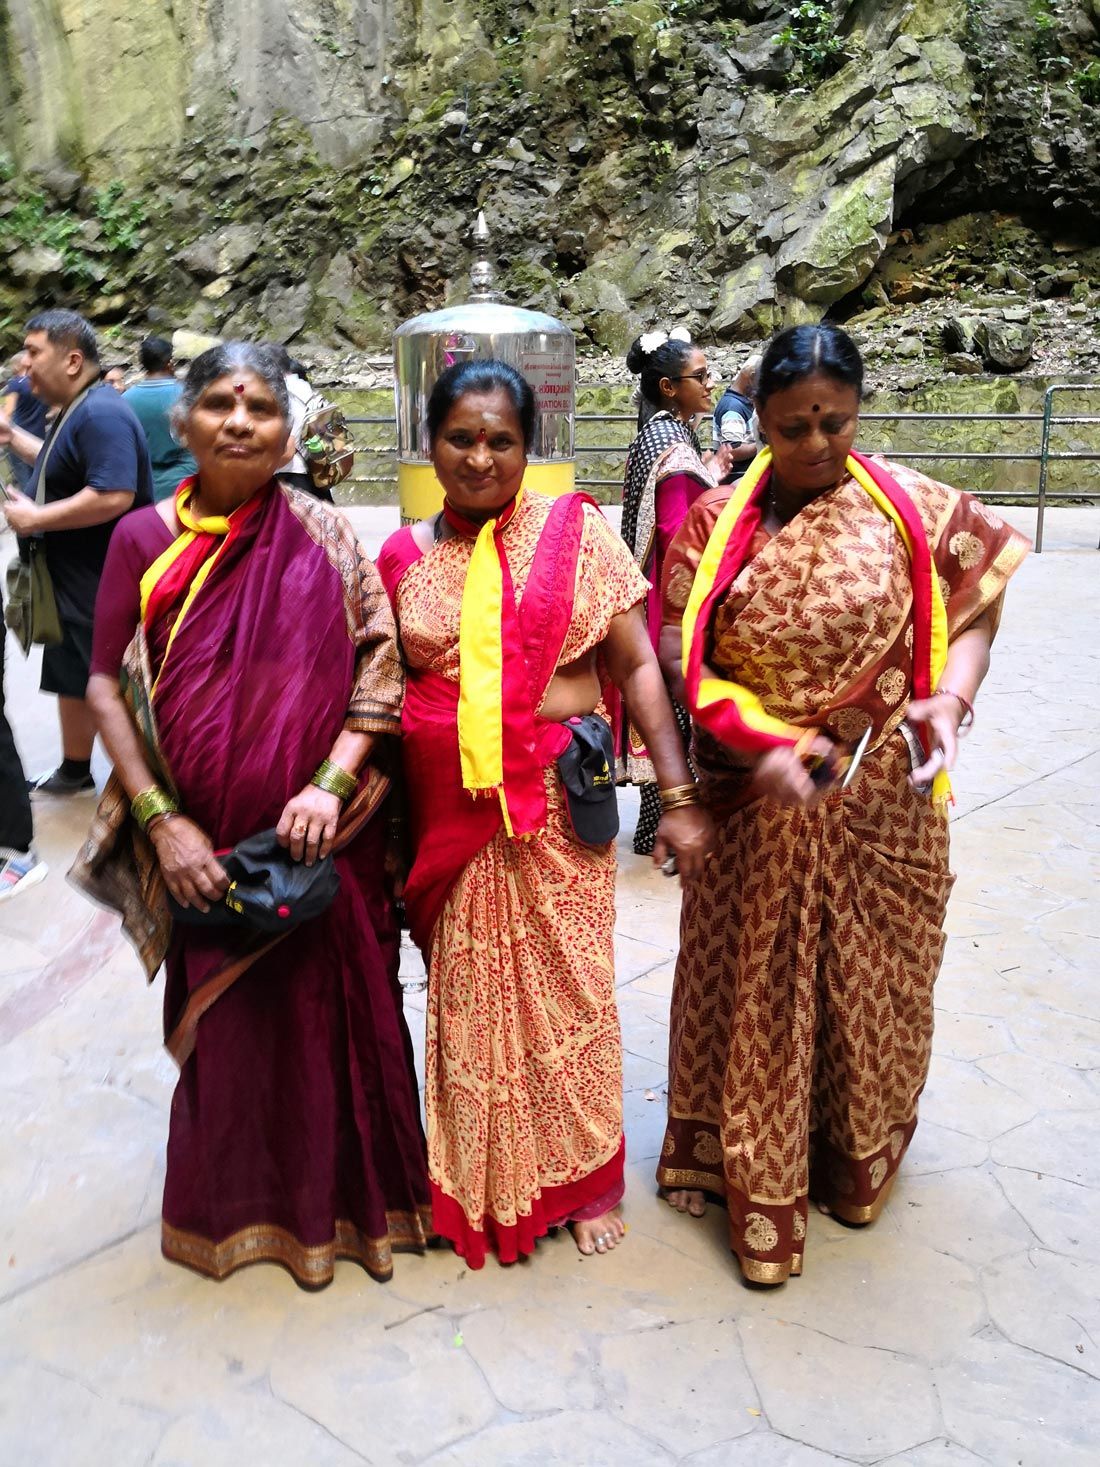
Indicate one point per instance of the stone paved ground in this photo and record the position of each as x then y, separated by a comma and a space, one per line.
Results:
964, 1327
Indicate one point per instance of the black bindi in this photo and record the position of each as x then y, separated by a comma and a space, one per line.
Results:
816, 408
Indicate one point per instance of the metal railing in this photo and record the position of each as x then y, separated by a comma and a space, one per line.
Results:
1043, 454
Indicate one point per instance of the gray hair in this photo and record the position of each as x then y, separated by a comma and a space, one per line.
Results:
221, 361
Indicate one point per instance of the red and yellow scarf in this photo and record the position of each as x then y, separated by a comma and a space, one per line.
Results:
495, 715
731, 712
175, 578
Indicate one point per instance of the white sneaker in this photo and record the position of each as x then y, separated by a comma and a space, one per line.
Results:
19, 871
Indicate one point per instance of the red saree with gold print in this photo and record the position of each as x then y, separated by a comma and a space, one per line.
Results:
294, 1133
523, 1075
801, 1019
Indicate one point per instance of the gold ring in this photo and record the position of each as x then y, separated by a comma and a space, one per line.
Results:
298, 830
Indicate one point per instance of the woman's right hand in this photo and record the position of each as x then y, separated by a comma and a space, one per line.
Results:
191, 871
780, 774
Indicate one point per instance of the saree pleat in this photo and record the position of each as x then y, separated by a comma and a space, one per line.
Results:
523, 1072
801, 1025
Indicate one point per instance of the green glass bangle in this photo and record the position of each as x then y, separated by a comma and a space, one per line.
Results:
150, 802
335, 781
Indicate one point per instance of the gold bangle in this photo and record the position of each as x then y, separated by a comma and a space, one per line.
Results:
682, 804
152, 801
678, 794
335, 781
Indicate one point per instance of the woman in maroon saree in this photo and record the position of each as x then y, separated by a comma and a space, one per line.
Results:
245, 675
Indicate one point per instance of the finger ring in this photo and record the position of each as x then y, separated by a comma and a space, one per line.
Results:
298, 830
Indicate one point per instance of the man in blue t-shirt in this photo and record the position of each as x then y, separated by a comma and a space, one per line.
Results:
735, 420
96, 466
26, 411
152, 400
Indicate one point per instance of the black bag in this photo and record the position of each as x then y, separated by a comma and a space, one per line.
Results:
269, 891
585, 770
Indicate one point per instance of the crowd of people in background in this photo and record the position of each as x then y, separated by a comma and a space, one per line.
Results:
781, 648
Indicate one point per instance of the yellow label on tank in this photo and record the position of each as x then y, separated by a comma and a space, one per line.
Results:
420, 493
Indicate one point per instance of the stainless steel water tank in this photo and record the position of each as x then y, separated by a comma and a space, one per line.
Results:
539, 346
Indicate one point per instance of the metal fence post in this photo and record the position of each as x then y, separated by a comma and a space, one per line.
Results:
1044, 449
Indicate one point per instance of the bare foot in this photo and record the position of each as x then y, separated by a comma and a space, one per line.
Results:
687, 1200
824, 1208
598, 1234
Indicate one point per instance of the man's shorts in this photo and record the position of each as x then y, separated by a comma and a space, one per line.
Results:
65, 666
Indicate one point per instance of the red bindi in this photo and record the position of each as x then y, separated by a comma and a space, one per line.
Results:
238, 388
481, 435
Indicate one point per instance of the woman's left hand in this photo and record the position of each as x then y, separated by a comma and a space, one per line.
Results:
687, 833
307, 827
942, 714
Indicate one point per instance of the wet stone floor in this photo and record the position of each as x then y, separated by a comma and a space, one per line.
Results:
964, 1327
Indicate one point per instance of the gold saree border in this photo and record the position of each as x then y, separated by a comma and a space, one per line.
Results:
769, 1273
859, 1216
311, 1265
707, 1181
998, 573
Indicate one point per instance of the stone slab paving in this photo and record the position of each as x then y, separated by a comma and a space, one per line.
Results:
963, 1328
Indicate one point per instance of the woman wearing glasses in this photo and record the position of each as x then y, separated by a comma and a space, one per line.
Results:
666, 471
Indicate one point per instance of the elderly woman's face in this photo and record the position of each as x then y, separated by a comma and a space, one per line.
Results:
479, 453
236, 429
810, 428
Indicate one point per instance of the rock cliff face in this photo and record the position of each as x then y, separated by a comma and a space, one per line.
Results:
111, 85
308, 168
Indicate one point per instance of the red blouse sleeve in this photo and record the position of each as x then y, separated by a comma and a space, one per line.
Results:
137, 541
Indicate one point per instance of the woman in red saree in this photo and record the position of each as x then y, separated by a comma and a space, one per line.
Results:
245, 676
825, 595
510, 608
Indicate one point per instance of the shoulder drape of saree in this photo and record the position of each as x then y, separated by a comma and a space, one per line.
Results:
379, 686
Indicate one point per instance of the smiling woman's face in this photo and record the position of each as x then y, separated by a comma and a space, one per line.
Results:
810, 428
479, 454
236, 431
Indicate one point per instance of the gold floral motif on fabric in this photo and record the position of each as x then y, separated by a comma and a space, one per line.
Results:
991, 518
799, 1227
966, 548
668, 1147
878, 1172
897, 1141
850, 723
677, 587
891, 685
707, 1150
761, 1234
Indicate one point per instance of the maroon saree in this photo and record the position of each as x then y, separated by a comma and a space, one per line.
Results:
294, 1134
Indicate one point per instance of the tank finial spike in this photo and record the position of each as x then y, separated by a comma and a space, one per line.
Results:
482, 271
